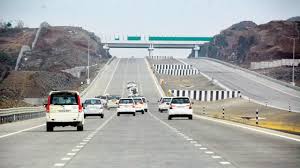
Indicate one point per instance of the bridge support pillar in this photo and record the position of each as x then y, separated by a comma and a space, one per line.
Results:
151, 49
196, 51
106, 48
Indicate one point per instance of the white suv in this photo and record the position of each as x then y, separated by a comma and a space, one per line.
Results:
164, 104
93, 107
180, 107
64, 109
126, 106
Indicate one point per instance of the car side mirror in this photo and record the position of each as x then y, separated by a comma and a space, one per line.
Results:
167, 103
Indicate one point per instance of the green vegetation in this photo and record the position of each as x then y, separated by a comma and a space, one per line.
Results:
5, 58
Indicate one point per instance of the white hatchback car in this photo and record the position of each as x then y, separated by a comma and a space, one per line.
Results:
93, 107
180, 107
64, 109
164, 104
126, 106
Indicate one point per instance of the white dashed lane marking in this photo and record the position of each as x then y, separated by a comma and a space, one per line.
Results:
71, 154
195, 143
65, 158
225, 163
59, 164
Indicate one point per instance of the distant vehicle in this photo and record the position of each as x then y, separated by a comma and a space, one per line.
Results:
64, 109
162, 104
180, 107
131, 84
145, 101
139, 104
126, 106
103, 99
93, 107
112, 101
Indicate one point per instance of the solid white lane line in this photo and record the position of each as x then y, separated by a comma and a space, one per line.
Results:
17, 132
59, 164
247, 127
111, 77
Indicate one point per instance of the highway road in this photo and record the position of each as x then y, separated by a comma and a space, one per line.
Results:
254, 87
143, 141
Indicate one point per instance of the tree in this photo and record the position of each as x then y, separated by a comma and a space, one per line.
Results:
20, 24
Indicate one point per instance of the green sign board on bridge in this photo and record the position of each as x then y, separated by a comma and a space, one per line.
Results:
169, 38
133, 38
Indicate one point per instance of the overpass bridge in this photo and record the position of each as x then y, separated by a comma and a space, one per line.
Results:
158, 42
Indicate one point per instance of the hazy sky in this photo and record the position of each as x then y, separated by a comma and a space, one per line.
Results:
149, 17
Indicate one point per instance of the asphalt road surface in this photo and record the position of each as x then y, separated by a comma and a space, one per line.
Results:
254, 87
141, 141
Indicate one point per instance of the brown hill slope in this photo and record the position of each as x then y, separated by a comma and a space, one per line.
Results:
42, 69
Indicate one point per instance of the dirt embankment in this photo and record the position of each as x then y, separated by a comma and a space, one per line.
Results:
43, 69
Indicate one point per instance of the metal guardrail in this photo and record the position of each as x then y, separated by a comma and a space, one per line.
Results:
21, 113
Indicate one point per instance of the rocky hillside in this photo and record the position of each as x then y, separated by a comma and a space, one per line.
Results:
247, 42
57, 61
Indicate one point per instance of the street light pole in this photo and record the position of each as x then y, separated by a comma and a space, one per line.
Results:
293, 75
88, 66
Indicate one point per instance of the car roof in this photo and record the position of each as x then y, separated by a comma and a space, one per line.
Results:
126, 98
92, 99
64, 91
180, 98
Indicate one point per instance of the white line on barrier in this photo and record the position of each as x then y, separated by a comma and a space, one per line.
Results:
17, 132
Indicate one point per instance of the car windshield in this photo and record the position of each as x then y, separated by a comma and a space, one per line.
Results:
92, 101
63, 99
112, 97
138, 100
166, 100
125, 101
180, 101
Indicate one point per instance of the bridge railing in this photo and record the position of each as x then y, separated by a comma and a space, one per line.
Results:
20, 113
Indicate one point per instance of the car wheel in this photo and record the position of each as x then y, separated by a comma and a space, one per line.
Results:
49, 127
118, 114
170, 118
160, 110
133, 114
102, 115
80, 127
143, 112
191, 117
84, 116
146, 110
